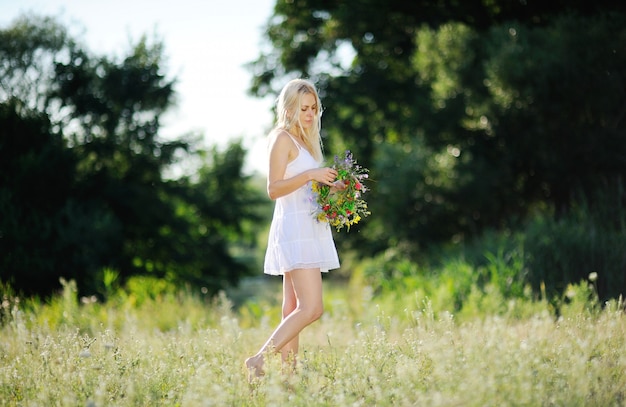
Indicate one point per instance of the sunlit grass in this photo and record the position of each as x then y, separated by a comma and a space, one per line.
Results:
182, 350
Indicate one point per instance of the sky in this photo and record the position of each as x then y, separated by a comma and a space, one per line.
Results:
207, 43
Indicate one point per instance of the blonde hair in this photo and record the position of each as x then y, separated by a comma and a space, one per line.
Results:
287, 108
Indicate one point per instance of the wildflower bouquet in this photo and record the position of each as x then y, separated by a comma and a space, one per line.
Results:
343, 207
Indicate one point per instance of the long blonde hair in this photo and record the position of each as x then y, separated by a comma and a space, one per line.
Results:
287, 108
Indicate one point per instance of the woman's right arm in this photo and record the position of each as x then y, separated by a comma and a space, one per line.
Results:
282, 151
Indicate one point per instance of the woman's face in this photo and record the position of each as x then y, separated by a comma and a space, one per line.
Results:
308, 110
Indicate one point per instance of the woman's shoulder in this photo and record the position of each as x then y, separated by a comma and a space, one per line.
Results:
280, 136
279, 133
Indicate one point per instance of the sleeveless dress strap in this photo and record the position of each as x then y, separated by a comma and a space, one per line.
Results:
295, 142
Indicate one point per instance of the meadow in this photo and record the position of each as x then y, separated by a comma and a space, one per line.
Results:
179, 348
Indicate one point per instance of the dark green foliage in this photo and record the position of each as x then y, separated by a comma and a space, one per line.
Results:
471, 116
541, 117
36, 177
517, 104
590, 239
82, 189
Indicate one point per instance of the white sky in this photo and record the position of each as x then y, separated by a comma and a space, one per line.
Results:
207, 42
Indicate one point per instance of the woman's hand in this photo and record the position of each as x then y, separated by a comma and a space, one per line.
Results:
338, 185
324, 175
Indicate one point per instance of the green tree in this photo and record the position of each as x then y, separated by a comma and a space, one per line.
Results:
36, 176
535, 113
417, 98
82, 180
375, 95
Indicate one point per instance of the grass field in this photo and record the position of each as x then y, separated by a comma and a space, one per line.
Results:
181, 350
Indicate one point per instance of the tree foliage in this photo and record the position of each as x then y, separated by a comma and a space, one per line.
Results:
535, 114
82, 186
471, 115
492, 108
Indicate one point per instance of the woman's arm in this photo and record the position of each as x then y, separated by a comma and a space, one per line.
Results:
282, 151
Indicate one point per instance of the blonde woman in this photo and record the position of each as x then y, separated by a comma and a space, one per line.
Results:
299, 248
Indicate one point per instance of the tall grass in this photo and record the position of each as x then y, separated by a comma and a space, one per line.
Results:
181, 349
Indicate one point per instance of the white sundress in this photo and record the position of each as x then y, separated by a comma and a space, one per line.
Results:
297, 240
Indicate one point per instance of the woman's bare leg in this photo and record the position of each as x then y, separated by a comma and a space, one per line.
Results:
290, 302
307, 287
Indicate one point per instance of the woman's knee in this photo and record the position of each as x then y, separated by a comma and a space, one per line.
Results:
319, 312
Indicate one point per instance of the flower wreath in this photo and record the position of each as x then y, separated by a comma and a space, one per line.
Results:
343, 207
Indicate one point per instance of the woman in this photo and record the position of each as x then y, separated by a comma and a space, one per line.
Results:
299, 248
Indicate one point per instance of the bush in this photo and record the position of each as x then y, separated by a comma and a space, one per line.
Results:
590, 239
